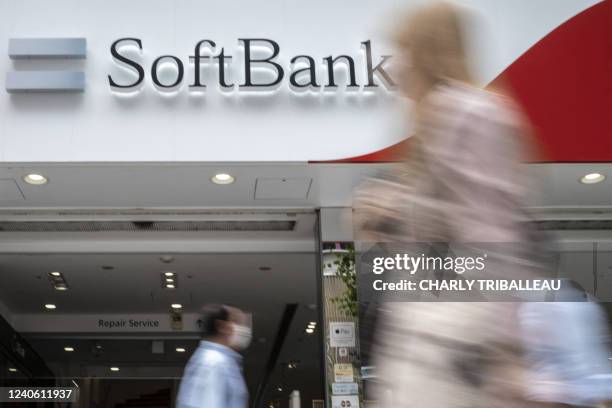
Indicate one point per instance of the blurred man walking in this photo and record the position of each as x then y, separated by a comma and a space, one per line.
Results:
213, 377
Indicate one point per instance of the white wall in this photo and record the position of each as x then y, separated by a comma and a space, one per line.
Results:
336, 224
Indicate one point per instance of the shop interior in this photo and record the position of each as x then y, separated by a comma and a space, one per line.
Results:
122, 325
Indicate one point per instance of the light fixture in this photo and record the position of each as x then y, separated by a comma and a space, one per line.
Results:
169, 280
58, 281
592, 178
12, 369
35, 179
279, 389
176, 306
69, 349
50, 306
180, 350
115, 369
222, 178
166, 258
311, 327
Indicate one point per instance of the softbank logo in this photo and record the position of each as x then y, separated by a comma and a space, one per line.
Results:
259, 69
258, 66
46, 80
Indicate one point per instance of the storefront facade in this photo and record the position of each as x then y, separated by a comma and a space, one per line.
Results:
128, 110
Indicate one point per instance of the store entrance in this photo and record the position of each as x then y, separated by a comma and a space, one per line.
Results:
121, 324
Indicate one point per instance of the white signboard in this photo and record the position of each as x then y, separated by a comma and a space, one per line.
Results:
342, 334
166, 97
345, 388
345, 401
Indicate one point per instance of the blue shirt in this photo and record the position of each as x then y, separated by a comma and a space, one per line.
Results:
565, 345
213, 379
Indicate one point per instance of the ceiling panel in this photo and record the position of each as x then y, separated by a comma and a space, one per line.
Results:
188, 185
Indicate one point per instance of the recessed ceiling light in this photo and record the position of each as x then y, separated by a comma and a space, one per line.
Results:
279, 389
176, 306
114, 369
12, 369
50, 306
69, 349
55, 274
169, 273
170, 286
170, 280
180, 350
309, 330
312, 323
166, 258
61, 287
36, 179
222, 178
592, 178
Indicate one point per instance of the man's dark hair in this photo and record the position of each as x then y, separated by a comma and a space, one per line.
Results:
210, 315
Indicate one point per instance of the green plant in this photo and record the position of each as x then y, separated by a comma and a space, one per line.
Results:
347, 302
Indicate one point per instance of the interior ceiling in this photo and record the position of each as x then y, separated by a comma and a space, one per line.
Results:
257, 185
134, 283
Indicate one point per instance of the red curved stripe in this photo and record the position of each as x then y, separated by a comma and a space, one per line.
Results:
393, 153
564, 85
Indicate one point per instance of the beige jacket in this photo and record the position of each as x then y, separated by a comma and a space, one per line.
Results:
464, 182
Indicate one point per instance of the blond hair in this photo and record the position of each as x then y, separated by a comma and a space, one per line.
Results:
433, 39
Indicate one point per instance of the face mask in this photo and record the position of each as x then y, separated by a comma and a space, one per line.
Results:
241, 337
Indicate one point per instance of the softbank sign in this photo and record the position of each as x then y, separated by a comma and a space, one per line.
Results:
259, 65
259, 70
